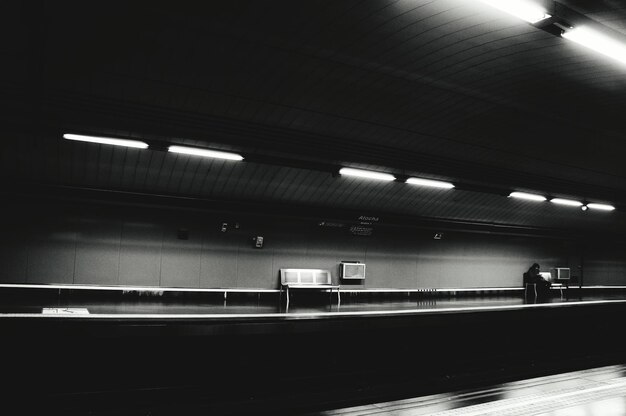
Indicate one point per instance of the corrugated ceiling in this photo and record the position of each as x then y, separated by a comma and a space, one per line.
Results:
442, 88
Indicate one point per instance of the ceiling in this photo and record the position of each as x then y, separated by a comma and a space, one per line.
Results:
444, 89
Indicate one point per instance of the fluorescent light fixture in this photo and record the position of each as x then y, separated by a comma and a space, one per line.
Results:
194, 151
107, 140
367, 174
525, 10
569, 202
429, 182
597, 41
603, 207
530, 197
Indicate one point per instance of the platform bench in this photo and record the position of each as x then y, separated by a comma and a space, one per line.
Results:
307, 279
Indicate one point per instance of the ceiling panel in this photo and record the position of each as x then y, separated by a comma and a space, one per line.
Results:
446, 89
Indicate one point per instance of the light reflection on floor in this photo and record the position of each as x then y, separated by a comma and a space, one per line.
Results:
594, 392
610, 407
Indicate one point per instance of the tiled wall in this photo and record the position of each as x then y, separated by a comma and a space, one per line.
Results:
114, 247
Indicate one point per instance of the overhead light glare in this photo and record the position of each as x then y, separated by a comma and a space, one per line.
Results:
107, 140
526, 10
367, 174
429, 182
603, 207
568, 202
214, 154
597, 41
527, 196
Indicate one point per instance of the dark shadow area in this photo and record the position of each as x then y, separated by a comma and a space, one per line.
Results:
288, 365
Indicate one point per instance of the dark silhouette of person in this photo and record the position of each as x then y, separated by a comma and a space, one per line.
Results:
533, 276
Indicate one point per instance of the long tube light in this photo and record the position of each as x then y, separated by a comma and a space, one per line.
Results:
527, 196
107, 140
529, 11
603, 207
214, 154
593, 39
568, 202
429, 182
368, 174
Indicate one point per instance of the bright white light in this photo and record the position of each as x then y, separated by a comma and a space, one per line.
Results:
597, 41
568, 202
530, 197
367, 174
194, 151
603, 207
429, 182
107, 140
525, 10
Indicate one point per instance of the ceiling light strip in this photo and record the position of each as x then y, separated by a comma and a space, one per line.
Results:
567, 202
597, 41
528, 11
602, 207
368, 174
213, 154
527, 196
430, 183
106, 140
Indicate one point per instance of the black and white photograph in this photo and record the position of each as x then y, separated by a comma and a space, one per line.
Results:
313, 207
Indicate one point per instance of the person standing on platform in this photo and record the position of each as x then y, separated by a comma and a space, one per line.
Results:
533, 276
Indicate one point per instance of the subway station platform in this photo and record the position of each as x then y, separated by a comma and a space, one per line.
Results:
22, 300
129, 351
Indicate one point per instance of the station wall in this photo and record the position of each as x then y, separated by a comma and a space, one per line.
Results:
115, 247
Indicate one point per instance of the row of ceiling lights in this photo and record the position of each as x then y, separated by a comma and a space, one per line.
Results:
359, 173
446, 185
528, 11
534, 13
587, 36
